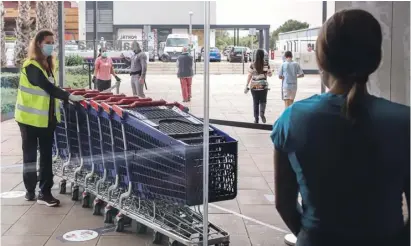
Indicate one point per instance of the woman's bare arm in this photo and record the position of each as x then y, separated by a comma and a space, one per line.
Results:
286, 192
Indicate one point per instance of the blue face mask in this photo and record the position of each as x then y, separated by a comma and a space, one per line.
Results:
47, 49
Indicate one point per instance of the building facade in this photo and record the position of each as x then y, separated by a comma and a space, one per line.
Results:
119, 20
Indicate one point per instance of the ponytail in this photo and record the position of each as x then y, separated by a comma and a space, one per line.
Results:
353, 108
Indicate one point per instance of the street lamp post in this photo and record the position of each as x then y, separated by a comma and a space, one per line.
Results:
190, 27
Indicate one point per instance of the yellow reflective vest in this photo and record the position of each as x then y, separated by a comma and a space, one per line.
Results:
33, 103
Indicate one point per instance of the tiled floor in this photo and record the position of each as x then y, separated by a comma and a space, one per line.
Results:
26, 223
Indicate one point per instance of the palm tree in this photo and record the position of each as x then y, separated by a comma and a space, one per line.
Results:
3, 56
53, 10
23, 32
43, 16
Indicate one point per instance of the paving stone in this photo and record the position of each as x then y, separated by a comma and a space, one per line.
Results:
38, 225
127, 240
10, 214
232, 224
264, 236
252, 183
253, 197
23, 240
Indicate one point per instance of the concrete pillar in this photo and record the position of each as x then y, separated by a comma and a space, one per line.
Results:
392, 79
238, 36
261, 39
267, 39
235, 39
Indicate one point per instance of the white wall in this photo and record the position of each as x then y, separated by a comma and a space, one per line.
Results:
82, 20
392, 79
179, 31
160, 12
212, 38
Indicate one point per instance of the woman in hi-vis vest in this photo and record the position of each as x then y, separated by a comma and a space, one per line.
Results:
37, 113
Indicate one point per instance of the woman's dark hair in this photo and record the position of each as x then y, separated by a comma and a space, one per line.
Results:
35, 52
349, 49
259, 61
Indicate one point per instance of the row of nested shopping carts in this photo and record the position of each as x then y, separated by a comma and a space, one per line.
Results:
140, 162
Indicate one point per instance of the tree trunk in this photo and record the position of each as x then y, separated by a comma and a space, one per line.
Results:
43, 16
23, 31
3, 56
53, 8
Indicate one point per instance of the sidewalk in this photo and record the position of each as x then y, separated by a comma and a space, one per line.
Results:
26, 223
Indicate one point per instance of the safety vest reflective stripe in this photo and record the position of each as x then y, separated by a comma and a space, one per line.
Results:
32, 110
33, 91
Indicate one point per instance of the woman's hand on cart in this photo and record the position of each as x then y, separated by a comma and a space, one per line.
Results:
117, 79
76, 98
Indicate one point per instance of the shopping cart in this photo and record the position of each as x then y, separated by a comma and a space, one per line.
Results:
72, 143
143, 160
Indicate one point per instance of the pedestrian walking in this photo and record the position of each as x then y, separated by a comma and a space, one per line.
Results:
288, 73
257, 82
37, 113
138, 71
103, 69
185, 73
345, 151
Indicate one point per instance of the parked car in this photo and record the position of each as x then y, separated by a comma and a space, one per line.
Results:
237, 53
254, 52
215, 54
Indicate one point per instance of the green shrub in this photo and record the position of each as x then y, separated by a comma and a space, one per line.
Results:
74, 60
8, 100
78, 70
9, 93
9, 80
76, 81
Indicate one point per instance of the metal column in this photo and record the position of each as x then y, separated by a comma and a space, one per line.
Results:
235, 39
95, 29
323, 21
206, 118
260, 39
60, 13
267, 39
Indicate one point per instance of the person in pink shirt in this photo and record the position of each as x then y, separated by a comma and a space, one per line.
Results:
103, 69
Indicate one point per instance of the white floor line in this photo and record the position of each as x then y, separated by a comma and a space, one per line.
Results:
250, 219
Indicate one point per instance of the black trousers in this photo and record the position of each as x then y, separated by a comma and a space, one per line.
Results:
31, 138
259, 102
103, 85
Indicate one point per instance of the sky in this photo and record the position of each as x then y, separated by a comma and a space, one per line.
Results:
272, 12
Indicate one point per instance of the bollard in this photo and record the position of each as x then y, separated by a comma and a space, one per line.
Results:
195, 62
89, 75
243, 60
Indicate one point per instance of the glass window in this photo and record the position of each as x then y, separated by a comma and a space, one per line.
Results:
177, 42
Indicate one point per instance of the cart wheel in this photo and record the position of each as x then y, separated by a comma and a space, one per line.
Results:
63, 187
140, 228
86, 200
157, 237
108, 214
173, 243
97, 206
119, 223
75, 193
